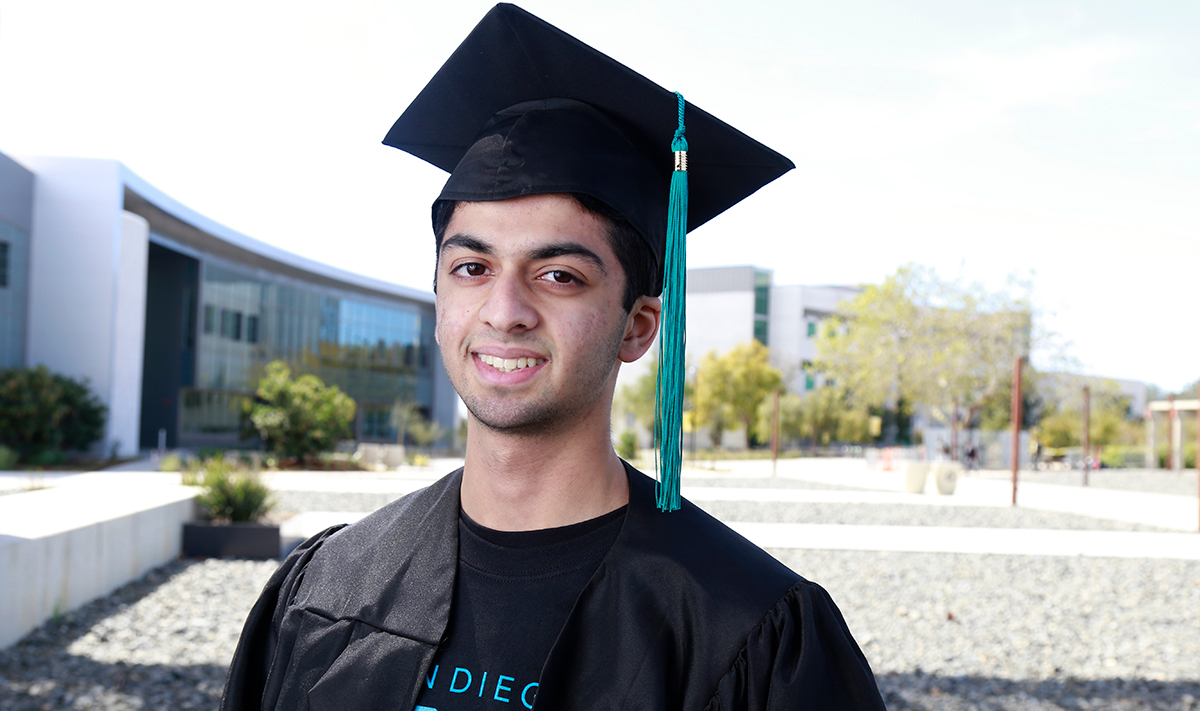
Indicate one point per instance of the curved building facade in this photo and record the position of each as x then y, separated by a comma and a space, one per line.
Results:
172, 316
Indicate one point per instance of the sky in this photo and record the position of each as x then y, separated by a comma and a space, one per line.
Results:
1054, 142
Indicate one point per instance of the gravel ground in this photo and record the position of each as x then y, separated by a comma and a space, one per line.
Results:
1150, 480
912, 515
942, 631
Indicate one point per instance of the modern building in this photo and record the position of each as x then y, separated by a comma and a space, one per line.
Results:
16, 220
171, 317
727, 306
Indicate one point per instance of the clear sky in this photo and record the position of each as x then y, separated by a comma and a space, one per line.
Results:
1058, 141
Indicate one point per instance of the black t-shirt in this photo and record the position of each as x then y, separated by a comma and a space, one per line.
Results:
514, 592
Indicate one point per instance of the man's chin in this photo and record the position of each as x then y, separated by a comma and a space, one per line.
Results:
516, 423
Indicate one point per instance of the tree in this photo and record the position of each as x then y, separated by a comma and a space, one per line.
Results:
730, 387
41, 411
944, 345
300, 418
792, 423
637, 397
1108, 419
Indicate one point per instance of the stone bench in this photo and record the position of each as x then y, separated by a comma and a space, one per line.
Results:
64, 546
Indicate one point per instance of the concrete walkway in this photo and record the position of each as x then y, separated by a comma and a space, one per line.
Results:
850, 482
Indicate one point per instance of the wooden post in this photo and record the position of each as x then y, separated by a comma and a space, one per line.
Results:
1087, 433
775, 433
1171, 415
1016, 425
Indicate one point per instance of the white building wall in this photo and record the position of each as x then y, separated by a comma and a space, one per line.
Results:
84, 295
129, 330
786, 335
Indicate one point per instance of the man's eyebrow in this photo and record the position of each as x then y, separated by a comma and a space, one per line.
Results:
570, 249
467, 242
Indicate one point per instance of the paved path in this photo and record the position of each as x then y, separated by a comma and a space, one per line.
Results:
849, 481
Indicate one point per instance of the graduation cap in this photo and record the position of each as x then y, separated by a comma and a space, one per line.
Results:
522, 108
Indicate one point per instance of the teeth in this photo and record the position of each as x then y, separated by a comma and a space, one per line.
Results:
508, 365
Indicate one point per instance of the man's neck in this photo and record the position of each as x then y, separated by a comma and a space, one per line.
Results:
530, 482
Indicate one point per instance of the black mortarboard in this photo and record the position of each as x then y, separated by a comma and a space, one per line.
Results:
522, 108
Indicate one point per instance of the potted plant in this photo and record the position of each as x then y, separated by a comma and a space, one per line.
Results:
232, 501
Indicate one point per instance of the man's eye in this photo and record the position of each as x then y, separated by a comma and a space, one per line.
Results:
560, 277
473, 269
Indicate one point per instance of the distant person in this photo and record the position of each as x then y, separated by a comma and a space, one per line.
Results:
542, 569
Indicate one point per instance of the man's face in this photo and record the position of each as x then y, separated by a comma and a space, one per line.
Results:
529, 314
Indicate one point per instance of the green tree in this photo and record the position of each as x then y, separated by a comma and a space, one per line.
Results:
792, 424
302, 417
730, 387
1108, 419
637, 397
41, 411
915, 337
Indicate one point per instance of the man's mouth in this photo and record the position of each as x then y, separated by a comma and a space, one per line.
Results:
508, 365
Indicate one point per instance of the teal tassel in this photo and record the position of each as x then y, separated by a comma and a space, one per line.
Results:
668, 401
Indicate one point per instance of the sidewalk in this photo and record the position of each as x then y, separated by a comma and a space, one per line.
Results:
851, 483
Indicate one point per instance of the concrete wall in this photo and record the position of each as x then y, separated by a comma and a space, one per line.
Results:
87, 288
62, 547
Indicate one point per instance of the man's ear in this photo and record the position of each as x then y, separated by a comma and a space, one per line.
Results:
641, 326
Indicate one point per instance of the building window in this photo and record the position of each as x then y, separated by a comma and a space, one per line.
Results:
812, 329
760, 331
251, 329
762, 293
810, 380
3, 265
210, 318
231, 324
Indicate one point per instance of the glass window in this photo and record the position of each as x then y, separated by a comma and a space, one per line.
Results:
812, 329
251, 329
762, 293
210, 318
3, 264
760, 331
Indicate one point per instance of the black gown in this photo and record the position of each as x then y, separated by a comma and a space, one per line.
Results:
682, 613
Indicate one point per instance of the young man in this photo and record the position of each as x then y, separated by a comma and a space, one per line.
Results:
541, 574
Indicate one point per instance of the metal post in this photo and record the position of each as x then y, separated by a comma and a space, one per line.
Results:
1087, 433
1016, 425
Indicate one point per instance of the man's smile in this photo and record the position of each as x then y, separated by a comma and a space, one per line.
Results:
508, 365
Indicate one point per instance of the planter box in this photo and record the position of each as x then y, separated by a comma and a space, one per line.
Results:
203, 539
915, 474
945, 475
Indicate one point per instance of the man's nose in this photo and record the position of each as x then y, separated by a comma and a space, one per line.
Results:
509, 305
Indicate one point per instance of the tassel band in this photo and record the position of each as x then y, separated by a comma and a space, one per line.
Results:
681, 161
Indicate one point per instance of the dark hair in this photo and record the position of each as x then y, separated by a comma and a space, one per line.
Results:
642, 274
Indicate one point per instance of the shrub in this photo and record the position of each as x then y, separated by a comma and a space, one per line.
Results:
42, 412
627, 446
302, 417
231, 492
8, 458
170, 463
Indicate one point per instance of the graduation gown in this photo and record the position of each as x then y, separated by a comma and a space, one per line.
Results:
682, 613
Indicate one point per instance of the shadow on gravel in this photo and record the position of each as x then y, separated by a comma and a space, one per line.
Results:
38, 673
70, 682
926, 692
